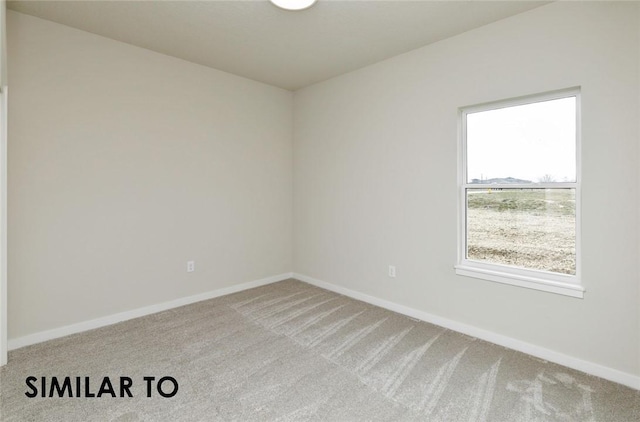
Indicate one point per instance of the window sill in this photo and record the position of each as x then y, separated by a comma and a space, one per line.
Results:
529, 282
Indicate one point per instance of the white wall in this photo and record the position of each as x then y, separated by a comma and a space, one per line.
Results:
123, 165
3, 183
375, 155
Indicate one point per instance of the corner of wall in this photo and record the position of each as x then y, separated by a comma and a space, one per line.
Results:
638, 139
3, 183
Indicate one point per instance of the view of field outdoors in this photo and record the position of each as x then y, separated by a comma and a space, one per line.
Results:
520, 184
529, 228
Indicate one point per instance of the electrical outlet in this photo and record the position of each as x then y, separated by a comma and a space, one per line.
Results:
392, 271
191, 266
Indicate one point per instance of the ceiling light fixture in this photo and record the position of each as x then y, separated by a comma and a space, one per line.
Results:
294, 4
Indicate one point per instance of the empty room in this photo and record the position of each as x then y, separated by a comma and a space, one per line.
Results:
319, 210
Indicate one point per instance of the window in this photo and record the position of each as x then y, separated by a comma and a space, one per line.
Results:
520, 192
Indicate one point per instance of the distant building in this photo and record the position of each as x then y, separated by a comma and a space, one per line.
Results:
499, 181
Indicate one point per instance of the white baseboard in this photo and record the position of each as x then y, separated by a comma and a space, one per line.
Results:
135, 313
601, 371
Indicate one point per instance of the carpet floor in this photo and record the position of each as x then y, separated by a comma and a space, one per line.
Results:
294, 352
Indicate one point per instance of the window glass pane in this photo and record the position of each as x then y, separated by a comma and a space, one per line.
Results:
529, 143
528, 228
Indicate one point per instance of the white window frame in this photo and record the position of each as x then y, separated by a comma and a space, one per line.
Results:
564, 284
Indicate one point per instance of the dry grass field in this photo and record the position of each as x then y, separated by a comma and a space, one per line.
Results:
532, 228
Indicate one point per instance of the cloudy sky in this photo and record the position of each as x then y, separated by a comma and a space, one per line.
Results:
524, 142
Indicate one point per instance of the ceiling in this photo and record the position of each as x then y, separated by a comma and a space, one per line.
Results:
255, 39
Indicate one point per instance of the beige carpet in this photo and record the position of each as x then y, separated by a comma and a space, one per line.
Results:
293, 352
